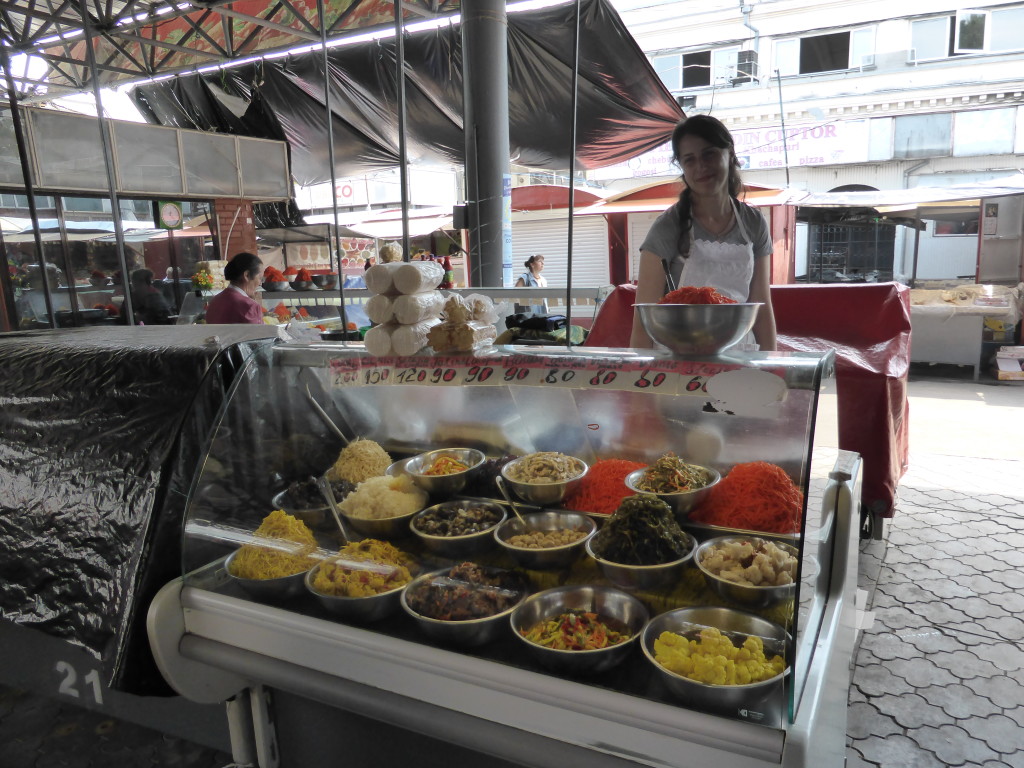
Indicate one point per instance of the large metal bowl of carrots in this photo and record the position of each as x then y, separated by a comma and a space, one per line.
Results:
698, 329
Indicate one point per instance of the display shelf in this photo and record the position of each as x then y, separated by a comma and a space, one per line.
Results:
591, 404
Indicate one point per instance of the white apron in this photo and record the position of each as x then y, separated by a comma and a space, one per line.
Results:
726, 267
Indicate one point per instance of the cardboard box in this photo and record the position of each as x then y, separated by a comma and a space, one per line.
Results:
1008, 364
998, 329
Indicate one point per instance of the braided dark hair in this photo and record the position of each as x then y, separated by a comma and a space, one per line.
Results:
714, 132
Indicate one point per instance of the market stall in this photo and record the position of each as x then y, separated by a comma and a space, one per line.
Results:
322, 678
957, 323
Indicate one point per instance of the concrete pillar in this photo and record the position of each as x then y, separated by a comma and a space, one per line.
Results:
488, 172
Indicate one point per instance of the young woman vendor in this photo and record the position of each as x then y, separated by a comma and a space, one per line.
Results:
709, 237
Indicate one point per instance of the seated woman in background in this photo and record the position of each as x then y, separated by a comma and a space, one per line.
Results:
237, 303
148, 304
709, 237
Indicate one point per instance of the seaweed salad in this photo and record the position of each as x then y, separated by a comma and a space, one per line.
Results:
642, 531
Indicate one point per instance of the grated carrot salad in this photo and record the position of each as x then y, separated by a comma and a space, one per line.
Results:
689, 294
756, 496
603, 488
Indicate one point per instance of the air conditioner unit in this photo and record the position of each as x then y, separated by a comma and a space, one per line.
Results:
686, 102
867, 61
521, 179
746, 67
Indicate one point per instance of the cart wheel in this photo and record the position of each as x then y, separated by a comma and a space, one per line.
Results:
867, 523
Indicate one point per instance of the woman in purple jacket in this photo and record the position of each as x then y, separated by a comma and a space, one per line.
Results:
237, 303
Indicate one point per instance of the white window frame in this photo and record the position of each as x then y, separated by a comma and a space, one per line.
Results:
787, 56
724, 72
678, 84
721, 72
944, 21
995, 15
861, 46
963, 15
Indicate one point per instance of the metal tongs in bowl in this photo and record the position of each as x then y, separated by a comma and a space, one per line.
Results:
328, 493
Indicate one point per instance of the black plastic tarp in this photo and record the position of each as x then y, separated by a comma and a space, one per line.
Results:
101, 432
623, 108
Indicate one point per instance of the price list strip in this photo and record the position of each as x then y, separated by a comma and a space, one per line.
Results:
670, 377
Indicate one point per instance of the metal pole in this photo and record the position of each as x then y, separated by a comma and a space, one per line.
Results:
330, 159
172, 256
403, 167
782, 120
26, 172
488, 174
65, 245
9, 321
115, 203
917, 245
572, 174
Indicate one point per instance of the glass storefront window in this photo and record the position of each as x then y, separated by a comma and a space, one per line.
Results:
83, 267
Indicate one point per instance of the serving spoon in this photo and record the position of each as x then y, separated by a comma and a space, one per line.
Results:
500, 482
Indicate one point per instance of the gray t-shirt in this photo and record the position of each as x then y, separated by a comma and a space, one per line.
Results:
663, 238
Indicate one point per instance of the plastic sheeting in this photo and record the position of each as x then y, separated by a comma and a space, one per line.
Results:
868, 326
623, 109
100, 435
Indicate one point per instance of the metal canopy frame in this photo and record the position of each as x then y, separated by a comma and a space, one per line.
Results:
138, 40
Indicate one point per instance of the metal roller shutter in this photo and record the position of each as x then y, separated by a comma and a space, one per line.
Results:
639, 226
550, 238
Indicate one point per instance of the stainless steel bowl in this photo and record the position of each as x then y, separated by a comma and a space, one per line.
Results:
273, 590
444, 485
383, 528
548, 558
697, 329
542, 494
325, 281
459, 546
718, 698
750, 596
370, 608
468, 633
301, 285
273, 286
682, 503
314, 517
607, 603
643, 576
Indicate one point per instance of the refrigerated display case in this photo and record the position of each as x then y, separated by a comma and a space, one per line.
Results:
305, 683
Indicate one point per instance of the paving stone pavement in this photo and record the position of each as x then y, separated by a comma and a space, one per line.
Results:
939, 675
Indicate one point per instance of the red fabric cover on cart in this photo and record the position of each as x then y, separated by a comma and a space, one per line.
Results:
868, 326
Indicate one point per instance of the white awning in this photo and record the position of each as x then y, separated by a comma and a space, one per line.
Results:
890, 200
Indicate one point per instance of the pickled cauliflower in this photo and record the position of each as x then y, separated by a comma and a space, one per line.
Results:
713, 659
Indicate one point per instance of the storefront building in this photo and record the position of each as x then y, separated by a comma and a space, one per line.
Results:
831, 96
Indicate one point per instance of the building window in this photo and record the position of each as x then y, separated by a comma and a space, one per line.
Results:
825, 53
922, 136
697, 69
967, 225
969, 31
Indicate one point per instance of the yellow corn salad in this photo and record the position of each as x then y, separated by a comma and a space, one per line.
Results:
713, 659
